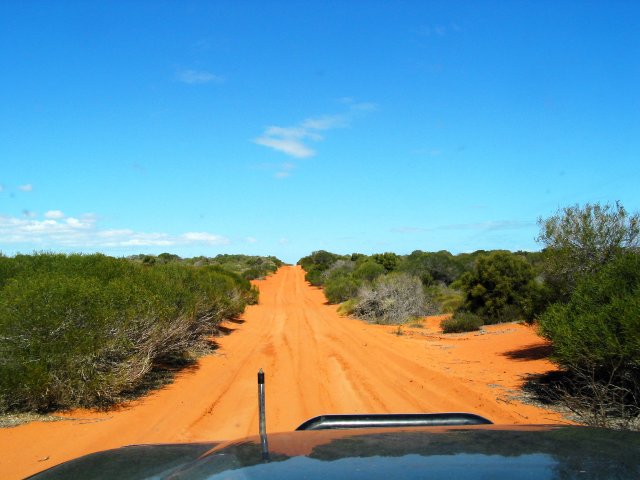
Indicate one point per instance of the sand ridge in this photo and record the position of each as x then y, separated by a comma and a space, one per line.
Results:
315, 362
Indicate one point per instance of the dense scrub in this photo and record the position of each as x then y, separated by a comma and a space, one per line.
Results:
81, 330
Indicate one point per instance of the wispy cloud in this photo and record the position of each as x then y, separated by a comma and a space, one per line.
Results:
294, 140
197, 77
285, 170
431, 152
438, 30
26, 188
408, 229
54, 214
489, 225
57, 230
288, 140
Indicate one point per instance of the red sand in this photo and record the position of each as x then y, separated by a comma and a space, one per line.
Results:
315, 362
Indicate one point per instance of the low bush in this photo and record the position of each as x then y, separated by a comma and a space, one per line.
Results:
392, 299
462, 322
346, 308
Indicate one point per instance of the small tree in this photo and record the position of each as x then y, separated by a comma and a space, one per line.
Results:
580, 240
388, 260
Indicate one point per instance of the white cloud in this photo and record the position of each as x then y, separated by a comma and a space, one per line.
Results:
55, 231
293, 141
287, 141
325, 122
26, 188
204, 237
197, 77
251, 240
54, 214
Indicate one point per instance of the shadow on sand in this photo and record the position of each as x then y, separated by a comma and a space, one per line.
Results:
536, 351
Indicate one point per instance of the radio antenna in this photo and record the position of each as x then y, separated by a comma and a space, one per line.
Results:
262, 417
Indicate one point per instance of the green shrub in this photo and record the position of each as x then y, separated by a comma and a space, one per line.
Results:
462, 322
315, 277
368, 271
340, 288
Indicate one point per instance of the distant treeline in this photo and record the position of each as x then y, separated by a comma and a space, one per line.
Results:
248, 266
86, 330
582, 290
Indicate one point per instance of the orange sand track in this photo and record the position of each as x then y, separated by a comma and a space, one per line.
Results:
315, 362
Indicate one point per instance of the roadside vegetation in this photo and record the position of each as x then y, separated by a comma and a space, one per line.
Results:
582, 291
87, 330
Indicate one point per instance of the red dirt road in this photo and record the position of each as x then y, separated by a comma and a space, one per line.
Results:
315, 362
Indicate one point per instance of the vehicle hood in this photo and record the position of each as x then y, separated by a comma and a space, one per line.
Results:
492, 451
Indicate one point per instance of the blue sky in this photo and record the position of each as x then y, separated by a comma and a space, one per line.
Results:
283, 127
